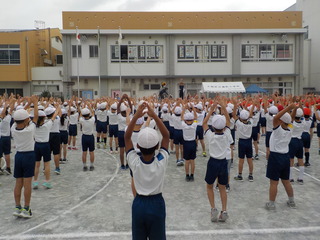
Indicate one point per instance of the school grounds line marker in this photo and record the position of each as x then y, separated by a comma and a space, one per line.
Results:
86, 235
18, 236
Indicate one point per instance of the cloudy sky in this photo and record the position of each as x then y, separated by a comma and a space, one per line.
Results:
21, 14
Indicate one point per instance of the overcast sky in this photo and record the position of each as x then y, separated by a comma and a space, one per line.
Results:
21, 14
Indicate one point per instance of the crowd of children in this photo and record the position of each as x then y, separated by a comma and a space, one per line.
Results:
41, 127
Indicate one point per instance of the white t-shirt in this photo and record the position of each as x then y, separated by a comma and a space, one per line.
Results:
42, 132
113, 118
297, 129
219, 143
87, 125
24, 138
269, 124
244, 130
165, 116
280, 139
55, 126
102, 115
64, 127
189, 131
5, 126
200, 117
148, 176
307, 125
177, 123
255, 119
122, 122
73, 118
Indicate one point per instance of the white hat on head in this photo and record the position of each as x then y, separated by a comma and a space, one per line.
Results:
229, 110
19, 107
148, 138
103, 105
85, 111
219, 122
123, 107
41, 113
230, 105
178, 110
49, 110
40, 107
299, 112
244, 114
273, 110
140, 121
65, 104
63, 111
20, 114
188, 116
286, 118
199, 106
164, 108
114, 106
72, 109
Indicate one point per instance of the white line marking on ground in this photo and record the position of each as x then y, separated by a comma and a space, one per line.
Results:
76, 206
169, 233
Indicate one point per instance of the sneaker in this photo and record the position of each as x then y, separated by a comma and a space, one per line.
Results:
7, 171
123, 167
17, 212
270, 206
187, 178
111, 151
85, 168
300, 181
57, 171
3, 164
179, 162
64, 160
105, 146
172, 152
204, 154
250, 178
61, 161
69, 148
98, 145
214, 215
47, 185
306, 164
291, 204
228, 188
238, 178
127, 166
91, 168
116, 151
292, 180
223, 216
191, 178
26, 213
296, 164
35, 185
74, 148
256, 157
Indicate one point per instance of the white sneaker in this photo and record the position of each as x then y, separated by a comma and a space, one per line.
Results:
270, 206
214, 215
223, 216
3, 164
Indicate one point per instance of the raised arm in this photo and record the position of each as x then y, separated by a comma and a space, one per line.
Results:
276, 119
205, 121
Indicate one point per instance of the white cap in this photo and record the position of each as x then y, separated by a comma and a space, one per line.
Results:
148, 138
114, 106
72, 109
178, 110
40, 107
63, 111
123, 107
286, 118
165, 108
103, 105
273, 110
85, 111
19, 107
230, 105
140, 121
189, 116
244, 114
219, 122
49, 110
41, 113
299, 112
20, 114
199, 106
229, 109
65, 104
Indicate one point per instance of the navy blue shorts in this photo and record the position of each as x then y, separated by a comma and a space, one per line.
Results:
318, 130
24, 164
5, 145
199, 132
73, 130
149, 217
42, 150
263, 122
189, 150
166, 123
268, 135
87, 142
54, 141
233, 134
64, 137
121, 139
245, 148
296, 148
254, 134
178, 137
113, 131
305, 137
278, 166
217, 168
101, 127
171, 131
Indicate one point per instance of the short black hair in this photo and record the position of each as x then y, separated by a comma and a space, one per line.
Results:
87, 115
148, 151
19, 121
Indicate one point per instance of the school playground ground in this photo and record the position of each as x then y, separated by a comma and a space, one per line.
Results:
97, 205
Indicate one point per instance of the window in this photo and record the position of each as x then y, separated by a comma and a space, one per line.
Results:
267, 52
15, 91
59, 59
155, 86
202, 53
146, 87
93, 51
9, 54
137, 53
74, 51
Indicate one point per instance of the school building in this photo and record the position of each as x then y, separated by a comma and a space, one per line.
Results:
30, 61
264, 48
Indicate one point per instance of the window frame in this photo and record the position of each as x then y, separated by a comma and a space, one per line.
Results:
8, 51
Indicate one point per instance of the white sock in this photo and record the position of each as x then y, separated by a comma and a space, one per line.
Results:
291, 170
301, 168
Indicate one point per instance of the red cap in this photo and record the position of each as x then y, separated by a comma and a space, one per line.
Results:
280, 107
306, 104
270, 100
318, 107
307, 111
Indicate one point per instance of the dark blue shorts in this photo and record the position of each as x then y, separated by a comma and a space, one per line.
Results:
245, 148
217, 168
64, 137
87, 142
113, 131
101, 127
149, 217
189, 150
166, 123
199, 132
24, 164
178, 136
278, 166
268, 135
233, 134
5, 145
254, 134
54, 141
42, 150
121, 139
306, 139
318, 130
171, 131
263, 122
296, 148
73, 130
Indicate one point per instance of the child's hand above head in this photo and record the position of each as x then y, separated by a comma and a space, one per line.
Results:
140, 109
151, 113
128, 111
